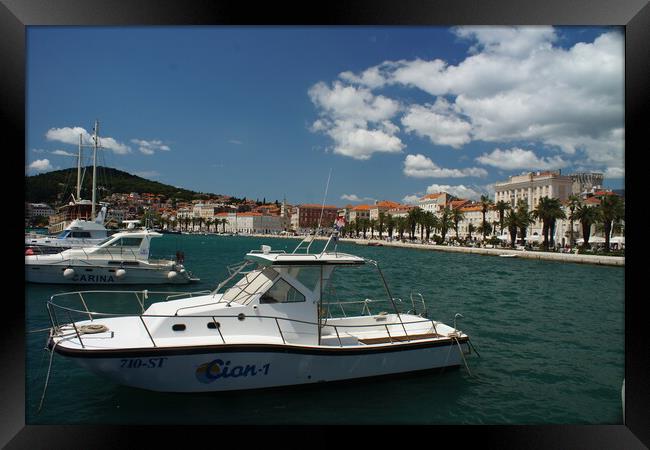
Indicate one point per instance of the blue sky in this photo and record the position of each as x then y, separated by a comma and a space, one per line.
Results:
266, 112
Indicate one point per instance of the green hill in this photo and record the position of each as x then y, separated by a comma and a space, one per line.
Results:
56, 187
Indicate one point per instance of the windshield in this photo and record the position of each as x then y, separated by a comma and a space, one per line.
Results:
63, 234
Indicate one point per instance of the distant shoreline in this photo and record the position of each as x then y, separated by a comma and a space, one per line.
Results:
603, 260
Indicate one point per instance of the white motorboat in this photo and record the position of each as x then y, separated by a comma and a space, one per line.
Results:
80, 233
122, 258
271, 328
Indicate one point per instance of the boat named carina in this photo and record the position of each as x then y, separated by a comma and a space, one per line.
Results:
122, 258
270, 328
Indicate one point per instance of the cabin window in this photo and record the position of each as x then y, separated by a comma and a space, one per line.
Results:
308, 276
127, 242
178, 327
63, 234
80, 234
282, 292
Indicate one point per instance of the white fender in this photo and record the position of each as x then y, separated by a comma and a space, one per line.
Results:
172, 274
119, 273
68, 273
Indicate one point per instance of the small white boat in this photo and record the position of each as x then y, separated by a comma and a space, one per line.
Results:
80, 233
508, 255
271, 328
122, 258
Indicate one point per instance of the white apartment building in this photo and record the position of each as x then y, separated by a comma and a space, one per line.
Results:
39, 209
434, 202
381, 207
251, 223
473, 214
532, 187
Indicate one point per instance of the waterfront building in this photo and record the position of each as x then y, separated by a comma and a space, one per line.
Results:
532, 187
435, 202
586, 182
251, 223
345, 213
381, 207
473, 214
400, 211
360, 212
306, 217
34, 210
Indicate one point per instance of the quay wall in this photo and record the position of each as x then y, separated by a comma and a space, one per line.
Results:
550, 256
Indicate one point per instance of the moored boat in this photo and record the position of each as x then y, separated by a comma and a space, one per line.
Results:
122, 258
270, 328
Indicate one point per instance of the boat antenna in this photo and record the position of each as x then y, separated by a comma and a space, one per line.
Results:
324, 197
322, 209
79, 169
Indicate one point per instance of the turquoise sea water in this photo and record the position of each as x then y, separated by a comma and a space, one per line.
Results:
550, 337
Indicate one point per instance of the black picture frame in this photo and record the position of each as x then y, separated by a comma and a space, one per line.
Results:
634, 15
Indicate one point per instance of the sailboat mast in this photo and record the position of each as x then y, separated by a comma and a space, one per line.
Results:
94, 168
79, 171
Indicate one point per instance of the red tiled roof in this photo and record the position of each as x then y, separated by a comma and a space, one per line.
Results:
313, 205
388, 204
361, 208
432, 196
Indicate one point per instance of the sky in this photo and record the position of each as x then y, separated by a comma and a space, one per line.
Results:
393, 113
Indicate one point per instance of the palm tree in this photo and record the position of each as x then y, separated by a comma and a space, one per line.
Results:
445, 221
574, 202
427, 222
612, 209
485, 228
486, 204
524, 218
381, 222
587, 216
390, 225
501, 206
470, 230
413, 219
372, 224
456, 217
364, 226
400, 224
512, 223
548, 210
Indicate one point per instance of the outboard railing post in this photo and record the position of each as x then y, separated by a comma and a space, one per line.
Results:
147, 330
337, 335
280, 330
76, 330
90, 316
216, 325
390, 297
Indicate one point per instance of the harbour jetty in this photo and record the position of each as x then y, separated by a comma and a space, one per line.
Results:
550, 256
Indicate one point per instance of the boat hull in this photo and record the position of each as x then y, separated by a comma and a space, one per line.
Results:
85, 275
233, 368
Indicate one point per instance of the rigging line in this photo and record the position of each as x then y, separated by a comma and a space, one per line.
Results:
324, 198
47, 378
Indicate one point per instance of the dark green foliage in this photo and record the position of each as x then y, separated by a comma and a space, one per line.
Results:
56, 187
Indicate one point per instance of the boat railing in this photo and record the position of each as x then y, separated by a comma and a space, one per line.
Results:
139, 296
231, 319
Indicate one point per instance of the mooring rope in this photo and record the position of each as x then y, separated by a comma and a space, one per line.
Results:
47, 378
462, 355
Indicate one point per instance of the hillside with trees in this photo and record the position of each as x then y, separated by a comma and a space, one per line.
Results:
56, 187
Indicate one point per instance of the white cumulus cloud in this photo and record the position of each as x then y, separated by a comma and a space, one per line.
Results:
356, 120
420, 166
150, 147
517, 158
460, 191
40, 165
70, 135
